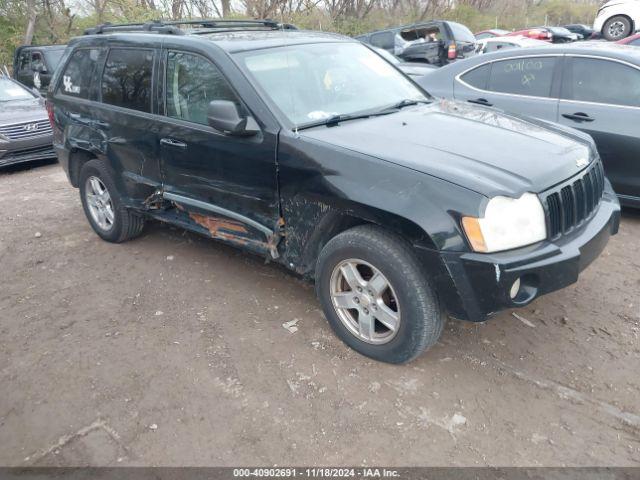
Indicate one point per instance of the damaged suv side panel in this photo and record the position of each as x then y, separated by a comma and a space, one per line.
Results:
312, 151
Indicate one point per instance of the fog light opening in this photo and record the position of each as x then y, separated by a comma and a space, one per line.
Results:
515, 289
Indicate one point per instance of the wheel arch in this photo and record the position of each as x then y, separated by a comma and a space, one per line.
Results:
77, 158
314, 223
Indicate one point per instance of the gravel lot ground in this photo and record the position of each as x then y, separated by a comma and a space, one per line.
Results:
170, 350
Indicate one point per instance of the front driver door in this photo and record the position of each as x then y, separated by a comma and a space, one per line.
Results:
602, 98
225, 184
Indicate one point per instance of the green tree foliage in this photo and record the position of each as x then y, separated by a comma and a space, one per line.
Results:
57, 21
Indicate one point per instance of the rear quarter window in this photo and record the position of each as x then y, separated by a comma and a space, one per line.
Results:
78, 75
478, 77
126, 80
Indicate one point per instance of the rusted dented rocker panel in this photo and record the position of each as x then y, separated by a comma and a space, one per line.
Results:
236, 233
218, 227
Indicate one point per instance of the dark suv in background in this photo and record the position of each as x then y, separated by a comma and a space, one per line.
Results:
311, 150
33, 66
435, 42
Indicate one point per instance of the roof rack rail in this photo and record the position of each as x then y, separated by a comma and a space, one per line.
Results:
172, 27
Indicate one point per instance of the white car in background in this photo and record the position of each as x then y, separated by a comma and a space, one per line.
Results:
493, 44
617, 19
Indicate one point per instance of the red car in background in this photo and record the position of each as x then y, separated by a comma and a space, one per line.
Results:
496, 32
632, 40
535, 33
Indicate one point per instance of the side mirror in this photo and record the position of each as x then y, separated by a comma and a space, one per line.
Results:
223, 115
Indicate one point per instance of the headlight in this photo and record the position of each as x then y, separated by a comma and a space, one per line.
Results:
507, 223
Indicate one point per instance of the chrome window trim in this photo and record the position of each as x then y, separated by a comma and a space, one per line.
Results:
518, 57
458, 78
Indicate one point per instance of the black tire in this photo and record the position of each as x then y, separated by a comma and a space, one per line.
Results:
126, 224
422, 319
611, 34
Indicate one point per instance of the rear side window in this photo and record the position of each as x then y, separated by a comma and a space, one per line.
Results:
461, 33
478, 77
53, 58
602, 81
126, 81
78, 75
383, 40
192, 83
523, 76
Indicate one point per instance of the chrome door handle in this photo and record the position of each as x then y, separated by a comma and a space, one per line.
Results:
170, 142
481, 101
578, 117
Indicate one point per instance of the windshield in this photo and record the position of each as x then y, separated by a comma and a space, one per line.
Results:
53, 58
308, 83
10, 90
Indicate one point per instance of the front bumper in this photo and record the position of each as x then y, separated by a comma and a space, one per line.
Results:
13, 157
28, 147
481, 282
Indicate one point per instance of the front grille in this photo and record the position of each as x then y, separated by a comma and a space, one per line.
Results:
571, 203
21, 131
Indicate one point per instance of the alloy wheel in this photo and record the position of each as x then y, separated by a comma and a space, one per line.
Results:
365, 301
617, 29
99, 203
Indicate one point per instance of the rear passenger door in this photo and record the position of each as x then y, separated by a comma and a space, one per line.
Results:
226, 183
126, 119
523, 85
602, 98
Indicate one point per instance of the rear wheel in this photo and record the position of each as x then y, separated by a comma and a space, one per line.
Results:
103, 207
617, 28
375, 295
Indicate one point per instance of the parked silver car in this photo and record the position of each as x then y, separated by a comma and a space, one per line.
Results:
590, 86
25, 131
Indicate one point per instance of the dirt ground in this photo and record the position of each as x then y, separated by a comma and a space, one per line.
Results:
170, 350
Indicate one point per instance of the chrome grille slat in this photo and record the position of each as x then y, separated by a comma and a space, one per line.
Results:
571, 203
18, 132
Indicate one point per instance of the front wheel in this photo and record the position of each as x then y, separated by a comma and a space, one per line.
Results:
375, 295
617, 28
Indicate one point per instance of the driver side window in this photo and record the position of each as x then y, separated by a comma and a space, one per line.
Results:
192, 83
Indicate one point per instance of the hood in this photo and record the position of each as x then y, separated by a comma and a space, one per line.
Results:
21, 111
481, 149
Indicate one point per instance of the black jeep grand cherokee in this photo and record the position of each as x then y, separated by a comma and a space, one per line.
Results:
312, 150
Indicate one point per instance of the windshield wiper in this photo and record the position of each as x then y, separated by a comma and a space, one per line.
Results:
407, 102
335, 120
